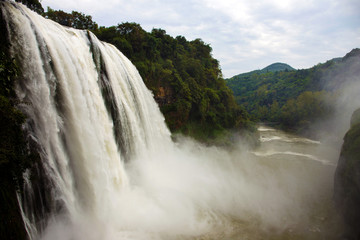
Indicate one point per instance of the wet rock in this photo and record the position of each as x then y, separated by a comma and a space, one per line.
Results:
347, 180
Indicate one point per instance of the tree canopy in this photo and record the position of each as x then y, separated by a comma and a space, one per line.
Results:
33, 5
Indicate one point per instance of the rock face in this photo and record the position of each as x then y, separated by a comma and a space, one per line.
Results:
164, 95
347, 180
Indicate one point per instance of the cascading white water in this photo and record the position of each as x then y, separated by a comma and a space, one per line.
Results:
111, 168
65, 74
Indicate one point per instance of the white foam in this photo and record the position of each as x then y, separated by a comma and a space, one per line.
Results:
308, 156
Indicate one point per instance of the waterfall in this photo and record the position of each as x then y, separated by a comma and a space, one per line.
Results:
88, 110
109, 169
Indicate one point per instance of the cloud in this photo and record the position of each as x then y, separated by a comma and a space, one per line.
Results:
244, 35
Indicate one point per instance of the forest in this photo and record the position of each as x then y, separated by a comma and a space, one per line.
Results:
293, 99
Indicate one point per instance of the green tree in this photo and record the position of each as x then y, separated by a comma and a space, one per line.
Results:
74, 19
33, 5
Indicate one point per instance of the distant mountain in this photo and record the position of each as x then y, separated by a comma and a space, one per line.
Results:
279, 93
275, 67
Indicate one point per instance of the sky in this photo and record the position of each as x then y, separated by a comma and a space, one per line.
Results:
245, 35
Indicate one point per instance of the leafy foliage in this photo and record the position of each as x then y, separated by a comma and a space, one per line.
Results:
74, 19
33, 5
306, 108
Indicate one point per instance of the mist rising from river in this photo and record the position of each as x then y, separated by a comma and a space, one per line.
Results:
281, 190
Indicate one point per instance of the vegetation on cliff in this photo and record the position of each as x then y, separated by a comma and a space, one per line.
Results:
14, 158
16, 155
34, 5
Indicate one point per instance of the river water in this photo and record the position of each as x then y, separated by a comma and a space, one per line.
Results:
296, 173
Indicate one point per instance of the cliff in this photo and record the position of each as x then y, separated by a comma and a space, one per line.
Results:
347, 180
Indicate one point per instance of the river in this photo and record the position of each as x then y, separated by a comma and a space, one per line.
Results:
296, 173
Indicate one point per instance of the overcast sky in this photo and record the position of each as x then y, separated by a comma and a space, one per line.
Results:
245, 35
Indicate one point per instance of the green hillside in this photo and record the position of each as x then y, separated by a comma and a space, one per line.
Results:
275, 67
294, 98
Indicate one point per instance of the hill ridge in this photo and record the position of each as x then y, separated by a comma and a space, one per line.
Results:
274, 67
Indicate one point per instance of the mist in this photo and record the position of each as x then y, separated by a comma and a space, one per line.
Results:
190, 190
344, 83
